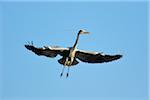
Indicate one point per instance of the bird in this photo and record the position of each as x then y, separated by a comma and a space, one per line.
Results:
72, 55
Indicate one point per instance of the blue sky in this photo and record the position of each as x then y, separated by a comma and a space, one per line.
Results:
116, 28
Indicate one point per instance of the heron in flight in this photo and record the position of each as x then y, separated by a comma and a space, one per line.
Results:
71, 54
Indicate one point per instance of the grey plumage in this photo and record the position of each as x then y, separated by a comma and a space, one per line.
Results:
70, 56
84, 56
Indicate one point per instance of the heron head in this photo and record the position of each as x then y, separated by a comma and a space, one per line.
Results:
83, 32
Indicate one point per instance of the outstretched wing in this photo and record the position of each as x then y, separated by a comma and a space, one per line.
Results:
95, 57
48, 51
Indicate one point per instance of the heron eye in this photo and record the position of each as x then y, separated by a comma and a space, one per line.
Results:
80, 31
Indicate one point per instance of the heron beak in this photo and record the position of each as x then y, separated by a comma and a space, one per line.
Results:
86, 32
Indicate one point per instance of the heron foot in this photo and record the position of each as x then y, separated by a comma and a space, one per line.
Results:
61, 74
67, 75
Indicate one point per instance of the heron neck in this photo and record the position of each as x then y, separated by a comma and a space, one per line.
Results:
75, 44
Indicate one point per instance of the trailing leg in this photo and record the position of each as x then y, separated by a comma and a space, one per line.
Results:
62, 71
67, 72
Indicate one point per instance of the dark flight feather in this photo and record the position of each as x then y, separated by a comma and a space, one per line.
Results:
94, 57
85, 56
48, 51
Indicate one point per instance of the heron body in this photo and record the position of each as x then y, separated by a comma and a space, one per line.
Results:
70, 59
70, 55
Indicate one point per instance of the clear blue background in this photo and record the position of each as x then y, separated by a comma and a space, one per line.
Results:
116, 28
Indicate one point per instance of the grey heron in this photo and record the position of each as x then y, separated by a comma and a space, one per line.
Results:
71, 54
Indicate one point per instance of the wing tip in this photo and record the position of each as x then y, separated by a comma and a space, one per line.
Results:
118, 56
29, 47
